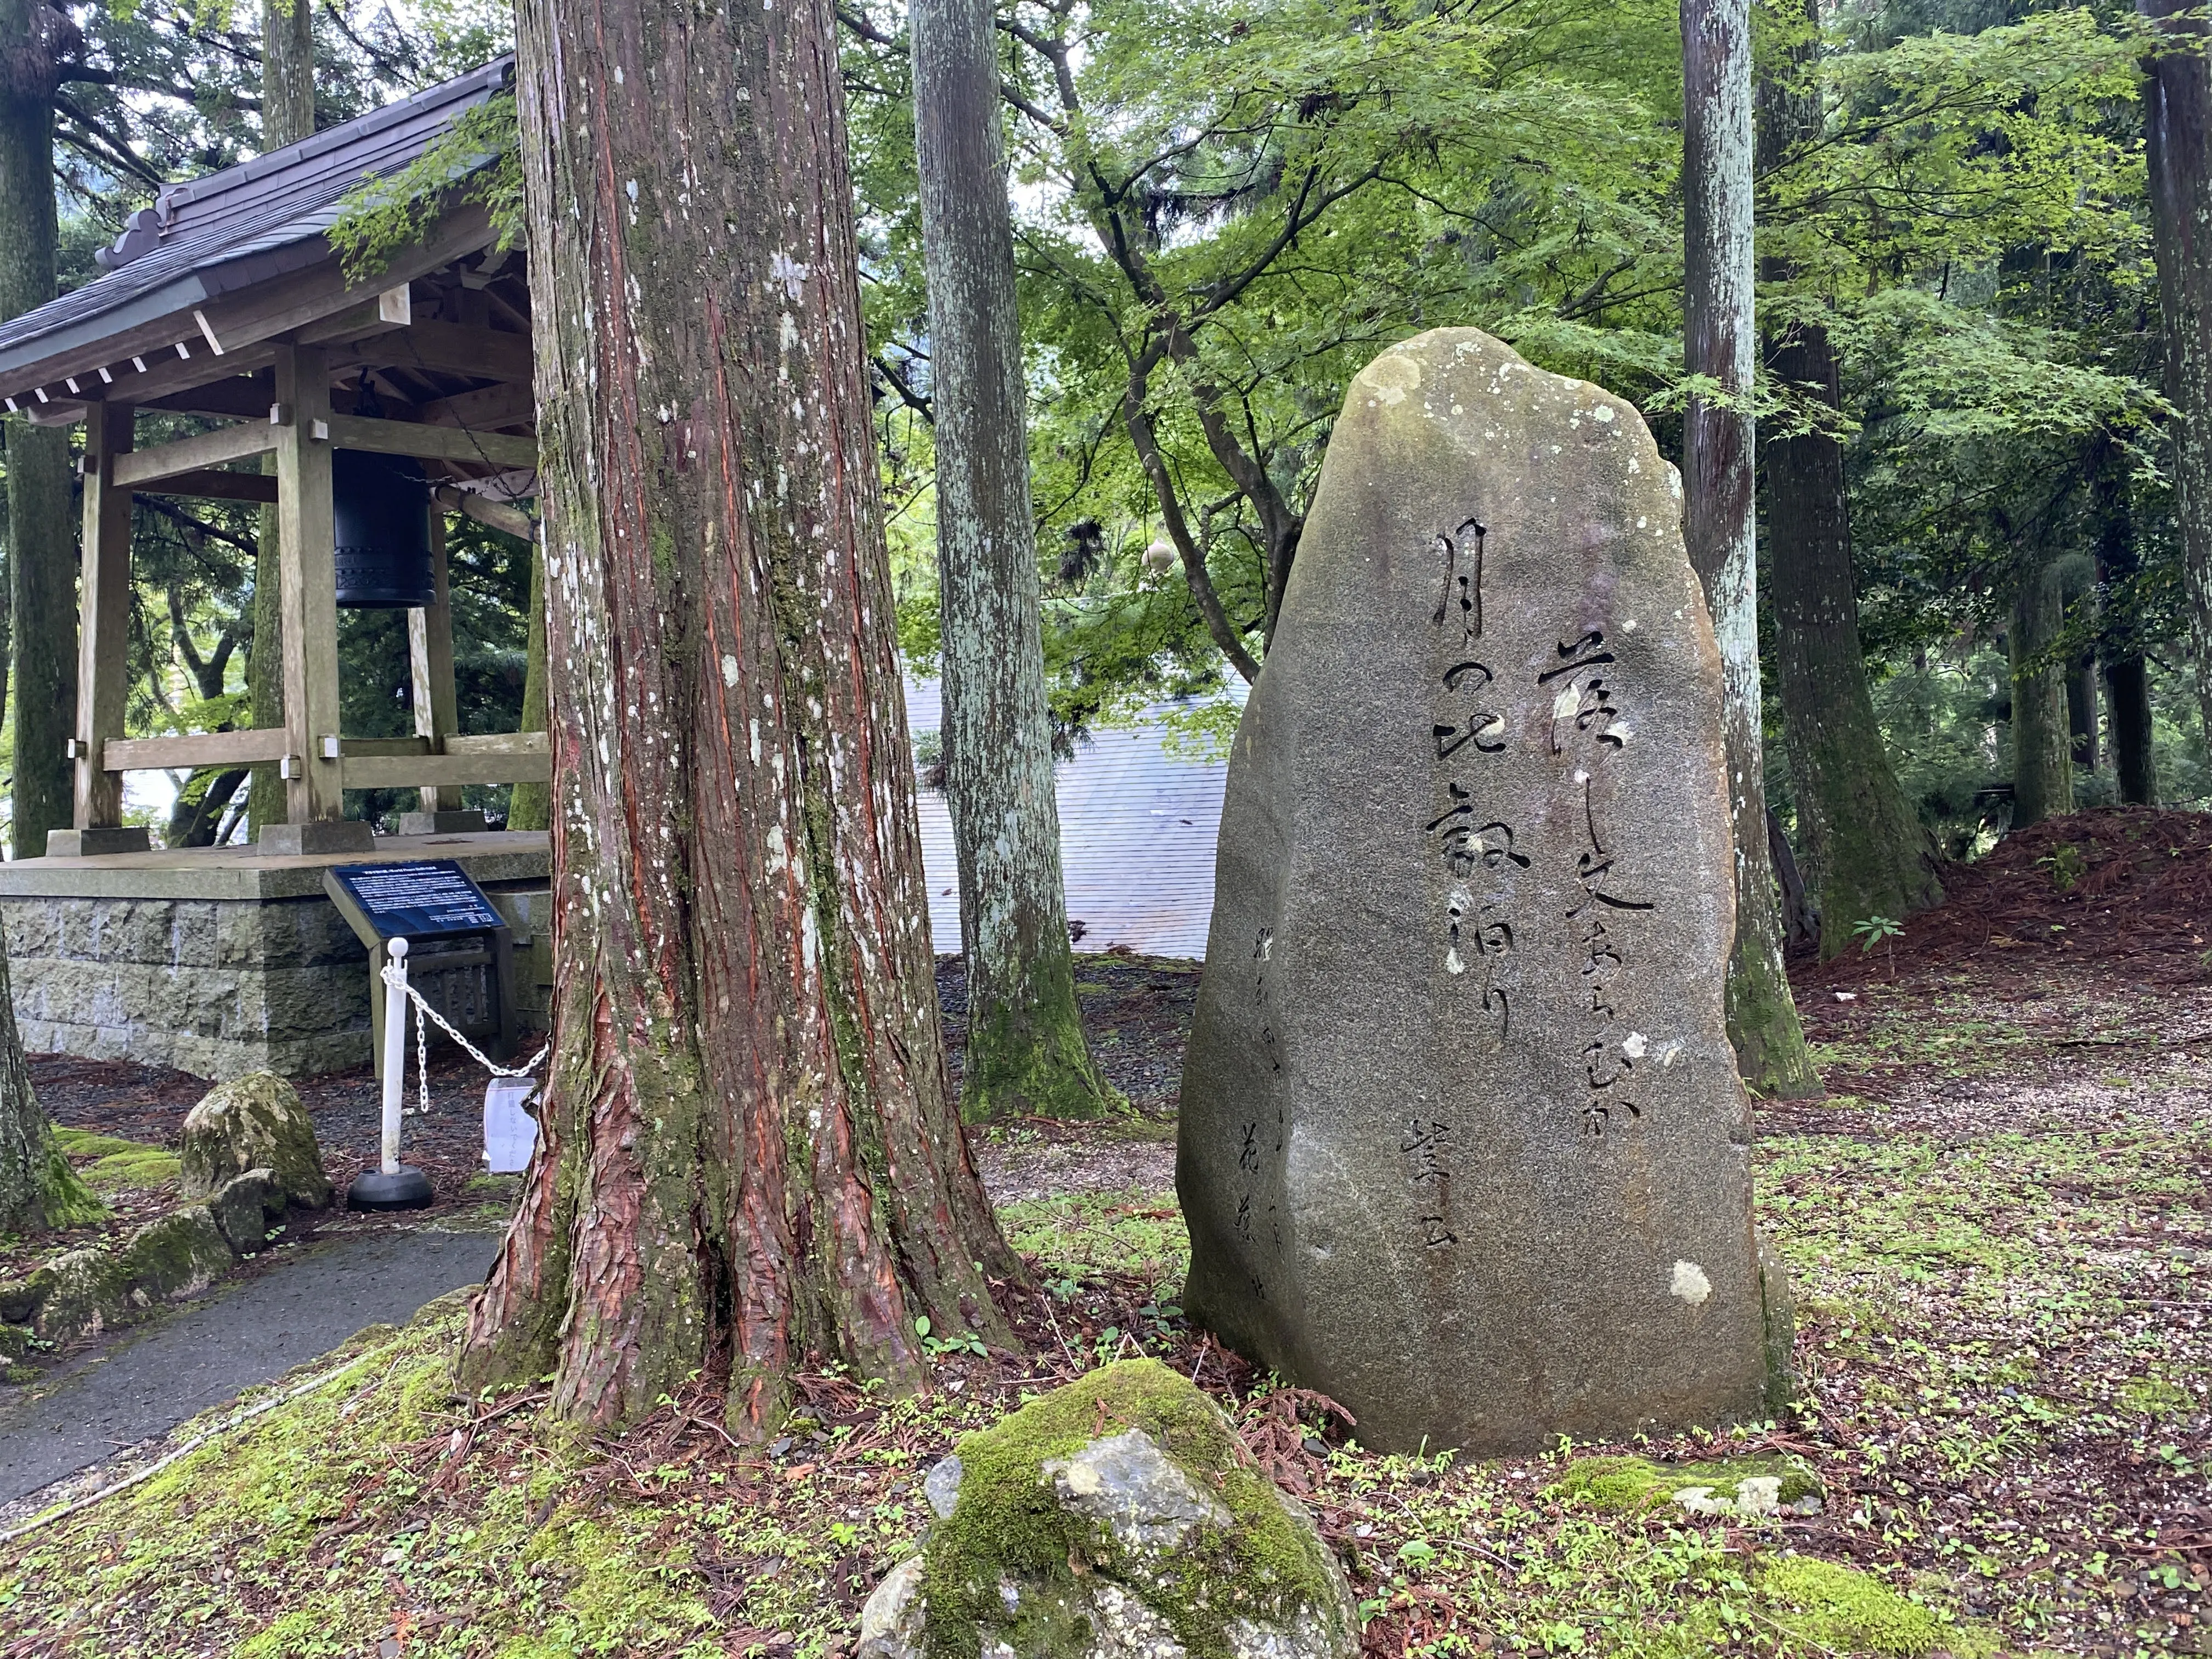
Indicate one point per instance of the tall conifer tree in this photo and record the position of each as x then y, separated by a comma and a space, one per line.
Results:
749, 1151
1720, 338
1026, 1051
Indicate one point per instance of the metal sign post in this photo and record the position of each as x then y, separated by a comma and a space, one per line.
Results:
395, 1187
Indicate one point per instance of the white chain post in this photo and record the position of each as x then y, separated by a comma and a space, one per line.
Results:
397, 995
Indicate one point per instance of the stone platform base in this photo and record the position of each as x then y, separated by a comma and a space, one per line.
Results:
221, 961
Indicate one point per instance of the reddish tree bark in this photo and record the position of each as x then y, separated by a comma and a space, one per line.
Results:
749, 1148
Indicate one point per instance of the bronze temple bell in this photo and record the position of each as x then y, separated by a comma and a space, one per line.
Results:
380, 505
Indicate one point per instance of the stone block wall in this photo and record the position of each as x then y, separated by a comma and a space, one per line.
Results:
216, 987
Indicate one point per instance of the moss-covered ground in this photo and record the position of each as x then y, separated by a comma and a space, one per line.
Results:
136, 1181
2000, 1238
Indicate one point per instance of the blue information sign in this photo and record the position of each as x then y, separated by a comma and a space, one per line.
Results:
419, 898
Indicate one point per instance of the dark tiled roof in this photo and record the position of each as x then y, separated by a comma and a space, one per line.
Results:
242, 225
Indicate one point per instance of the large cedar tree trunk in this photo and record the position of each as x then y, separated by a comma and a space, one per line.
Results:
1866, 851
287, 115
750, 1155
2178, 134
35, 41
2042, 747
1718, 466
1026, 1051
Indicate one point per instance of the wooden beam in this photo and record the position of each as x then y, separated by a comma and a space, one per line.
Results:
156, 345
355, 748
238, 397
305, 536
470, 505
446, 771
486, 354
501, 743
104, 595
260, 747
436, 443
193, 749
249, 318
217, 486
490, 406
430, 662
320, 291
228, 443
393, 308
62, 411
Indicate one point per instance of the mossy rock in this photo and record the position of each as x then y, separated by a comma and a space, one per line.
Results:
246, 1208
88, 1293
1831, 1606
21, 1298
183, 1252
1120, 1513
254, 1122
94, 1289
15, 1342
1626, 1486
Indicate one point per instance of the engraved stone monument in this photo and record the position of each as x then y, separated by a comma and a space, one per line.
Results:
1462, 1141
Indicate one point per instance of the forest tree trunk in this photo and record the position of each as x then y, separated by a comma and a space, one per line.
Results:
37, 1186
2127, 675
2042, 748
1026, 1051
2081, 711
2178, 135
531, 806
1866, 851
287, 115
35, 39
288, 72
749, 1158
1718, 466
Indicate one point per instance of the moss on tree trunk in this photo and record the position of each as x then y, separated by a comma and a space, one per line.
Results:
1026, 1049
750, 1157
531, 806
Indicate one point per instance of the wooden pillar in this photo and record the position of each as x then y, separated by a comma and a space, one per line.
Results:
305, 540
103, 636
430, 659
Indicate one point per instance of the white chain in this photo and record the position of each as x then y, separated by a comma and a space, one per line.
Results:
421, 1061
393, 977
